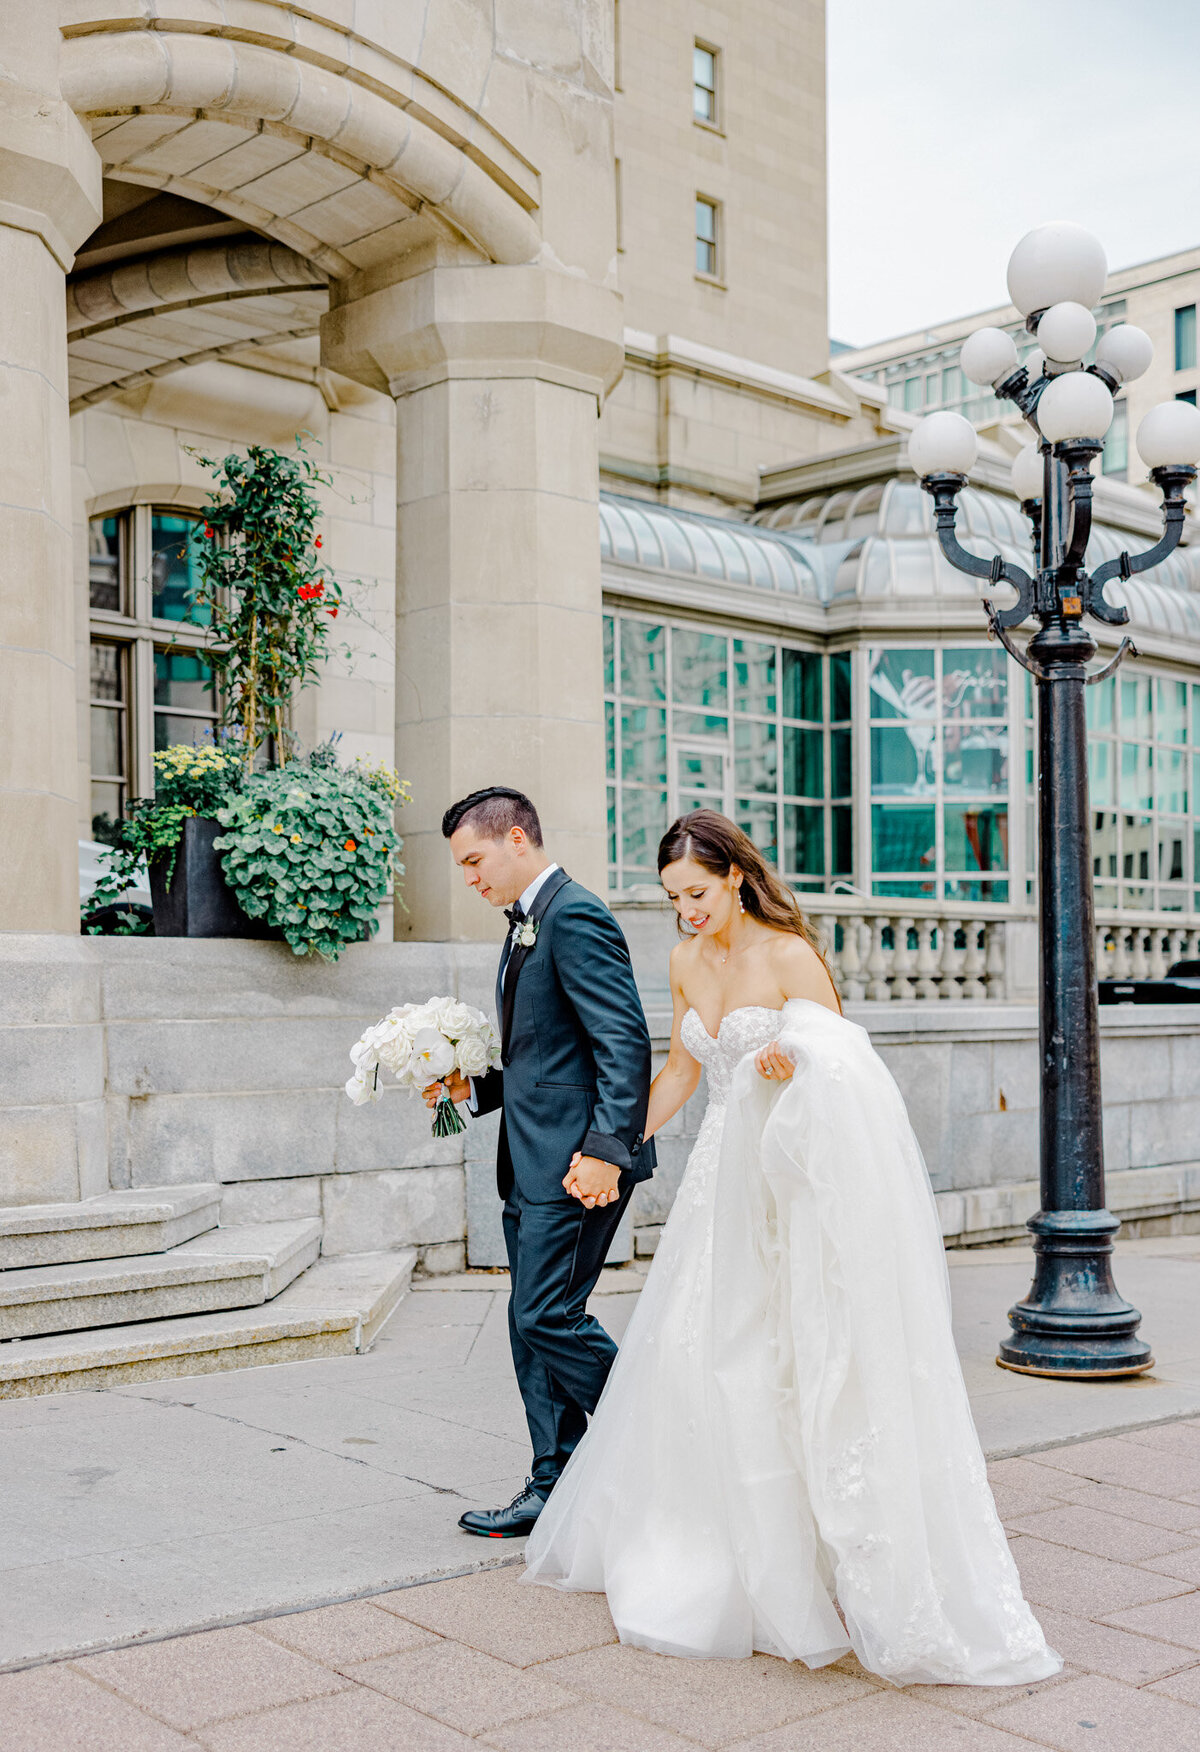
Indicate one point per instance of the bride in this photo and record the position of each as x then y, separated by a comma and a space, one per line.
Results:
784, 1459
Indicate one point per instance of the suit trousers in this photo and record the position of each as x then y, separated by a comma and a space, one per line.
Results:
561, 1353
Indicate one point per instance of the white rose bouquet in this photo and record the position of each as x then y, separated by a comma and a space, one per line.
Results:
420, 1044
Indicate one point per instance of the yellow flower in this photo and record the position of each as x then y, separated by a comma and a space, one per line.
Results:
295, 839
275, 828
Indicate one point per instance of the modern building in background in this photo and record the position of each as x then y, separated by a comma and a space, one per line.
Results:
543, 289
920, 372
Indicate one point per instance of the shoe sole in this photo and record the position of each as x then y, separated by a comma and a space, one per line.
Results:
482, 1533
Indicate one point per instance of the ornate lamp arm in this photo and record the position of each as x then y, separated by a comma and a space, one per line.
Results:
1172, 483
1078, 458
944, 490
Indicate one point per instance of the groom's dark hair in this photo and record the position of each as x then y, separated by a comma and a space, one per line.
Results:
494, 812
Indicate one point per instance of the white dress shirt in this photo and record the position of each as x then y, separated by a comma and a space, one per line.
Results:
525, 903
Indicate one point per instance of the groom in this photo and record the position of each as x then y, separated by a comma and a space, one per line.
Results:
574, 1078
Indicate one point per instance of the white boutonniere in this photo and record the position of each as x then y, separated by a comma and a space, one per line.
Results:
525, 934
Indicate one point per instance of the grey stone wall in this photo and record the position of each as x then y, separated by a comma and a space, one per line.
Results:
143, 1062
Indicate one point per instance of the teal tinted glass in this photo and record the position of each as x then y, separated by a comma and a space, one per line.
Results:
754, 677
803, 840
974, 682
181, 678
1170, 780
700, 668
643, 659
643, 823
609, 663
839, 686
976, 838
1101, 774
760, 820
644, 745
803, 763
610, 739
755, 756
802, 685
903, 837
104, 563
1171, 703
902, 684
1100, 702
174, 569
841, 774
1137, 776
975, 757
1135, 706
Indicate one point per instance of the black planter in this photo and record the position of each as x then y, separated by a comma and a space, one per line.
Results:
199, 902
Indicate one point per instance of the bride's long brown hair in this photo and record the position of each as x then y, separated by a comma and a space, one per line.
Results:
718, 845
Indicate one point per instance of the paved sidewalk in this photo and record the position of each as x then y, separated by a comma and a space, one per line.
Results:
179, 1505
1106, 1534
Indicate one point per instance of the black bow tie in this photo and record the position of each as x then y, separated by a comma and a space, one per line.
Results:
514, 914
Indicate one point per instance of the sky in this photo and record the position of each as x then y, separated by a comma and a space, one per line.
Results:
955, 126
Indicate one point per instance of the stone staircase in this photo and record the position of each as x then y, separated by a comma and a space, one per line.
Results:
134, 1286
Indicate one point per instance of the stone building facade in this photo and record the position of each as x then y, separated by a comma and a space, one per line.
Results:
544, 287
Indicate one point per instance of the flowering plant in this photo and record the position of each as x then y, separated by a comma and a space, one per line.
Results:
312, 848
420, 1044
187, 781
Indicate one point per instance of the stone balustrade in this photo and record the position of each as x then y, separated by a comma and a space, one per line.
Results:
921, 949
1145, 947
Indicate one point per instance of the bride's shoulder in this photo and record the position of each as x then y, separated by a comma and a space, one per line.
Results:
800, 970
683, 955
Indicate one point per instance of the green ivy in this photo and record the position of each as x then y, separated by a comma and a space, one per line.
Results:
311, 849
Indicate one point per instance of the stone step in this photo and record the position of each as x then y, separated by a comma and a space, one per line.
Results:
238, 1267
111, 1225
336, 1308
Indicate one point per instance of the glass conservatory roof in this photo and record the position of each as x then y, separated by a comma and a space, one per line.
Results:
877, 542
634, 532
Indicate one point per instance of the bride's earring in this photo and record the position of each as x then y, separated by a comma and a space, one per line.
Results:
740, 901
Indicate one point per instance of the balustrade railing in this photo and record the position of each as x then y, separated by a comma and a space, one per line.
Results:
897, 952
1143, 948
920, 950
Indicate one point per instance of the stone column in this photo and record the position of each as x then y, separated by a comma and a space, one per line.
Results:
498, 375
49, 202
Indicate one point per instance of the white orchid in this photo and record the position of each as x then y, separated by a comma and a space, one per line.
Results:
432, 1056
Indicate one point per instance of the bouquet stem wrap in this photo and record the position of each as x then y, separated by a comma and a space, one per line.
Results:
446, 1121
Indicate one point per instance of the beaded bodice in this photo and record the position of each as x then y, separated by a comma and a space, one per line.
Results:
743, 1030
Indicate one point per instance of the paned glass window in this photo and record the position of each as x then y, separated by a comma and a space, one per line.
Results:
146, 693
174, 569
1114, 459
1185, 337
704, 84
707, 257
939, 772
698, 718
104, 564
109, 694
1143, 769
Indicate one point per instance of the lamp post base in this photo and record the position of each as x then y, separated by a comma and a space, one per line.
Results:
1073, 1324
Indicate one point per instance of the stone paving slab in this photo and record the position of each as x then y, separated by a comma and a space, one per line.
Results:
486, 1661
160, 1507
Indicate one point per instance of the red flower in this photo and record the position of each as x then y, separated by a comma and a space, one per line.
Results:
332, 613
349, 846
318, 542
311, 592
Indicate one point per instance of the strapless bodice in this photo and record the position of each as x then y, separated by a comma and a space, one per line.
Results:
743, 1030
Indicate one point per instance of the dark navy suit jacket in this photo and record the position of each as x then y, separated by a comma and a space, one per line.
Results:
575, 1052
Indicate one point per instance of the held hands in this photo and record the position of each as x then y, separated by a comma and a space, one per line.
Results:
773, 1063
456, 1086
591, 1181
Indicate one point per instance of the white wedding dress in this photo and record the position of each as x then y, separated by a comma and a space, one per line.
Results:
786, 1424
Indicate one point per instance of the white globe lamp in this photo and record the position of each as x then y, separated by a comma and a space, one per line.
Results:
1125, 351
1056, 264
1076, 405
1035, 364
1027, 478
942, 443
1169, 436
988, 356
1066, 332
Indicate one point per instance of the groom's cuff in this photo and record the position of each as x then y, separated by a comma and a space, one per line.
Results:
473, 1100
606, 1149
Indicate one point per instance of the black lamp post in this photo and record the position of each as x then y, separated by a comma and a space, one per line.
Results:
1073, 1321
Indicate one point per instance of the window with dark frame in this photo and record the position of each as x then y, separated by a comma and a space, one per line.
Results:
1185, 337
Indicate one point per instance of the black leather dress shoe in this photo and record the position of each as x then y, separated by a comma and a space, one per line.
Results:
509, 1523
